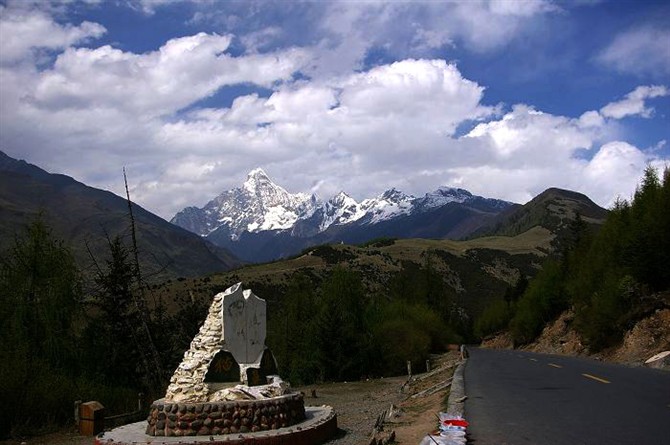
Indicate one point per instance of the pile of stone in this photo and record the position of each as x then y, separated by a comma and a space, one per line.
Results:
188, 381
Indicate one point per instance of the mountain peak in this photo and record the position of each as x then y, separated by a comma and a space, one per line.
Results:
341, 197
256, 178
257, 173
258, 205
444, 195
395, 195
453, 191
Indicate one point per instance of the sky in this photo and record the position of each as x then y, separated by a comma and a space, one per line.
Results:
504, 98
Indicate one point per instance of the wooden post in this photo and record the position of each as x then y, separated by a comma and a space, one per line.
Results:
76, 412
409, 369
91, 418
427, 365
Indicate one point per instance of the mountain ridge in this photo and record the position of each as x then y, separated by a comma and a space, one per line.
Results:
553, 209
261, 221
84, 217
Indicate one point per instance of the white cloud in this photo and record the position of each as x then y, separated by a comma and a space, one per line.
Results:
335, 133
521, 8
613, 172
486, 25
634, 102
392, 125
591, 119
100, 108
149, 6
362, 134
527, 136
642, 51
24, 31
530, 151
182, 71
257, 41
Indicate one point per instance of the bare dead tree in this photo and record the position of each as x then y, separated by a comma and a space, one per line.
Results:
140, 301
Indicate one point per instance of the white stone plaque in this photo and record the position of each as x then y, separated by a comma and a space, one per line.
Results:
244, 325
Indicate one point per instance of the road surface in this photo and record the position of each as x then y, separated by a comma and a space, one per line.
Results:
517, 397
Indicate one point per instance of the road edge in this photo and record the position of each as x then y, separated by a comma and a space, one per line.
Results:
456, 400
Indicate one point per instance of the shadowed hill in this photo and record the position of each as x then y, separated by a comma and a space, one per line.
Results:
554, 209
84, 216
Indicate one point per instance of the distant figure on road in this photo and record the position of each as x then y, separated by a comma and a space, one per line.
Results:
464, 352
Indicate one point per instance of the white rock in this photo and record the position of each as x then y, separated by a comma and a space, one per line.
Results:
659, 361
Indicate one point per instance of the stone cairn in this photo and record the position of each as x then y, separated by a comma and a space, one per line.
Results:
229, 346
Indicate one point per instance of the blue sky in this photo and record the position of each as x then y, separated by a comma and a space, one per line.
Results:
504, 97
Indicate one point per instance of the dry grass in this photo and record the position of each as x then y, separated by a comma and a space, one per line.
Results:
534, 241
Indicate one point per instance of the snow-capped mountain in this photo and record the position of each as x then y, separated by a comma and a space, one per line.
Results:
258, 205
264, 218
390, 204
261, 205
340, 209
445, 195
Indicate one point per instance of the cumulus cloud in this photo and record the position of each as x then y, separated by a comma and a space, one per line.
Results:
526, 135
96, 109
157, 83
591, 118
334, 133
24, 31
358, 133
642, 51
634, 102
613, 171
104, 103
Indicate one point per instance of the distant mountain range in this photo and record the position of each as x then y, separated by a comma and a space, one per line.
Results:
82, 215
261, 221
474, 272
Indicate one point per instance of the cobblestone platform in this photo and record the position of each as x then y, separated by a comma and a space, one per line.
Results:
222, 418
320, 424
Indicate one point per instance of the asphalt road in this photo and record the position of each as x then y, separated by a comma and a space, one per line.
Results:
517, 397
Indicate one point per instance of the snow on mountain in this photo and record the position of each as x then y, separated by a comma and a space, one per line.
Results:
443, 196
261, 205
341, 209
258, 205
391, 204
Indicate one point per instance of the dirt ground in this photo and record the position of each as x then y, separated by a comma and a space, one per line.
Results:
358, 406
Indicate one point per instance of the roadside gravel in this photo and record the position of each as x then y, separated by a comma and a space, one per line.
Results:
357, 404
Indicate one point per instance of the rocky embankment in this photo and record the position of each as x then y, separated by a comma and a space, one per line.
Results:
649, 336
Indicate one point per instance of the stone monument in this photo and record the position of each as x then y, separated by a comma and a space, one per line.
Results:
227, 382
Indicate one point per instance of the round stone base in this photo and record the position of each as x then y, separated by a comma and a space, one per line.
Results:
320, 424
221, 418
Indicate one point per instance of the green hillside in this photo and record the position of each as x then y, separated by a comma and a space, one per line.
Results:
610, 279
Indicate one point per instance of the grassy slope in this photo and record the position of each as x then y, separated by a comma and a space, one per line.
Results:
473, 271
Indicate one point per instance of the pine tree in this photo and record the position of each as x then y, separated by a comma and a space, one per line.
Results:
40, 292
